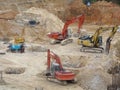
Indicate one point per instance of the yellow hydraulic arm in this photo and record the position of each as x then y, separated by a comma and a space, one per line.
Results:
95, 37
109, 39
20, 39
100, 30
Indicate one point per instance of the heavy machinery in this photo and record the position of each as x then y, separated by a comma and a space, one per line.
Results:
94, 42
19, 39
55, 70
64, 36
16, 48
18, 44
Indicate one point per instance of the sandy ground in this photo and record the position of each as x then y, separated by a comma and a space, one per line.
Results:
35, 64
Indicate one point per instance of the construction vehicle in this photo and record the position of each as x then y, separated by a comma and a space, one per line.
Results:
64, 36
18, 44
94, 42
16, 48
19, 39
56, 72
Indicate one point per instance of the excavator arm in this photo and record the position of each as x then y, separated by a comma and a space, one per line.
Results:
96, 36
80, 20
109, 39
55, 57
20, 38
92, 41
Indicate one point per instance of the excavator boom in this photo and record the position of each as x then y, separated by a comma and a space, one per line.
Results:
109, 39
53, 56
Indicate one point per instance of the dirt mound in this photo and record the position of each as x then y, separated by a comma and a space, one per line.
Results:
74, 61
94, 79
8, 29
101, 12
8, 14
33, 24
46, 22
37, 48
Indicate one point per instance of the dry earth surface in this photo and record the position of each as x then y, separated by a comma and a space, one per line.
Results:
90, 68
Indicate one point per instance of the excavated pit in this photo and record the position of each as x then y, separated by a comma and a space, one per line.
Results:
14, 70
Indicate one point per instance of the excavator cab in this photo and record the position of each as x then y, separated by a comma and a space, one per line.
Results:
85, 37
55, 67
100, 40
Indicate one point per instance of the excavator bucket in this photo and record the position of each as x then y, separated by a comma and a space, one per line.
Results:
108, 43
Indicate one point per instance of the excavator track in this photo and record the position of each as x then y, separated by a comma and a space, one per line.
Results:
92, 50
66, 41
52, 79
53, 41
62, 82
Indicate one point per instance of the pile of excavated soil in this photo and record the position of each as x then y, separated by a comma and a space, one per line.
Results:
92, 70
46, 22
74, 61
94, 79
7, 14
101, 12
8, 29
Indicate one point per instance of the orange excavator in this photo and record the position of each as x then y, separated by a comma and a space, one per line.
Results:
64, 36
56, 72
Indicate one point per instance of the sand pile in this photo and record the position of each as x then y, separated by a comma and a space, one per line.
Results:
74, 61
94, 79
101, 12
33, 24
44, 22
7, 14
92, 72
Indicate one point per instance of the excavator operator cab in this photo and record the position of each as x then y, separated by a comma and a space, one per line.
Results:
55, 67
69, 32
85, 37
100, 40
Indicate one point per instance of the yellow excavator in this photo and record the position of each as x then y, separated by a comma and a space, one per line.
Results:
94, 42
